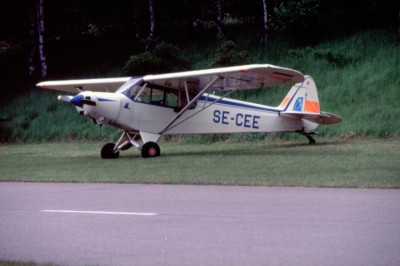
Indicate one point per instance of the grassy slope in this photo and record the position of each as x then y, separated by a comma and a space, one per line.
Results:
357, 78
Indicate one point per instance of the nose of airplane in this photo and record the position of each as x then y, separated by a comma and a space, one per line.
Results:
101, 107
76, 100
81, 99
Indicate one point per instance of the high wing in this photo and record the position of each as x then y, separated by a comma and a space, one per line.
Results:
222, 79
74, 86
228, 78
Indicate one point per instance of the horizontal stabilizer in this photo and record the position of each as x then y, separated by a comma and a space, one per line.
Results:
324, 118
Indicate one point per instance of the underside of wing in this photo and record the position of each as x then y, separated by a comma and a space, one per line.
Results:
229, 78
74, 86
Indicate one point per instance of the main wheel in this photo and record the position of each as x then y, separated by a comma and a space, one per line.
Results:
107, 152
150, 149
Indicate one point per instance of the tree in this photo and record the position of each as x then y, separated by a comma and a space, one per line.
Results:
398, 32
32, 42
40, 25
220, 19
36, 23
264, 37
150, 39
136, 30
297, 18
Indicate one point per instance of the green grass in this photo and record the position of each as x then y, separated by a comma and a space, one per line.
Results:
357, 78
366, 163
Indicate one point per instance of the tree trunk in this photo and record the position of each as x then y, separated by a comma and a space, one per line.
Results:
264, 37
136, 30
398, 33
150, 39
40, 25
32, 42
220, 18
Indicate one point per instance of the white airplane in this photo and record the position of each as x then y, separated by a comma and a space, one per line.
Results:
145, 108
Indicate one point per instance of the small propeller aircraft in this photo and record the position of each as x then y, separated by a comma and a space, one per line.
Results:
145, 108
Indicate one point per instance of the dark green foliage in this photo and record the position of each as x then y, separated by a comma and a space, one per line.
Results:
228, 54
165, 57
334, 59
296, 16
142, 63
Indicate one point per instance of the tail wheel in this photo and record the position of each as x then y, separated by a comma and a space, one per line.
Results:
150, 149
107, 152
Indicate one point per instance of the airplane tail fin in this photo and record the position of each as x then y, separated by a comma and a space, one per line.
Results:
302, 97
302, 102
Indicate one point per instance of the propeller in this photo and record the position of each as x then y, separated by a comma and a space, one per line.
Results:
88, 102
77, 100
80, 101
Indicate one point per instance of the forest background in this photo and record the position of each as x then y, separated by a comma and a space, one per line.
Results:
351, 48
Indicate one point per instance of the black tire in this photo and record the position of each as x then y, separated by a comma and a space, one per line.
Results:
150, 149
107, 152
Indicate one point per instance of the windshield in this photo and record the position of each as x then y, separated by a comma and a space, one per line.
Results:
155, 94
131, 87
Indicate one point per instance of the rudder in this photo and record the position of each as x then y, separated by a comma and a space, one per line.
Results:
302, 98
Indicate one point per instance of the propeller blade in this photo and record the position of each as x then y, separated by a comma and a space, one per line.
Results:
88, 102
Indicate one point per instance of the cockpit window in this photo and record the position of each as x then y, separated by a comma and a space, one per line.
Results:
137, 90
158, 96
131, 88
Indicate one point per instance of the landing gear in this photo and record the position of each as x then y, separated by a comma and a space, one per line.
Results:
108, 152
150, 149
308, 135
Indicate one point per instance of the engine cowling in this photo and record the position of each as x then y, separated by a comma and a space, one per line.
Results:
102, 107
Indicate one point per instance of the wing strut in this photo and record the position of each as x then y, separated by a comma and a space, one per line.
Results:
205, 106
189, 104
187, 92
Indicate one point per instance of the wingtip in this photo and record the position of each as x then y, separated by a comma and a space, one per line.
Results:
41, 85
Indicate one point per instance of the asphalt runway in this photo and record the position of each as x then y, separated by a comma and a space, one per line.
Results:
119, 224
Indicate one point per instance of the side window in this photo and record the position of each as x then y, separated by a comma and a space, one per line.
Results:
145, 96
183, 99
172, 99
158, 96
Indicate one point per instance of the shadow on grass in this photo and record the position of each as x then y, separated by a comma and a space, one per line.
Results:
240, 149
233, 149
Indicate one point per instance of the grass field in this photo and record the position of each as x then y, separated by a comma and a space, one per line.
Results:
366, 163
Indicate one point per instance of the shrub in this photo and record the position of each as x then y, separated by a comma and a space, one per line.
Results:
165, 57
334, 59
228, 55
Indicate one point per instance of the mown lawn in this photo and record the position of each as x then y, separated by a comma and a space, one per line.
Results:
366, 163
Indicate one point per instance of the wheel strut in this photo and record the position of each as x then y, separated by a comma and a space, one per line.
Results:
308, 135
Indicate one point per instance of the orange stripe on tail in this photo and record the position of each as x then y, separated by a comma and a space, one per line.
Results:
312, 107
284, 102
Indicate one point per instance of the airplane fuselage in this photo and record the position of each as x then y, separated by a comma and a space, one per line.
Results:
211, 115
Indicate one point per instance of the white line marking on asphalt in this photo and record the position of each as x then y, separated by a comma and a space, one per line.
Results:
102, 212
